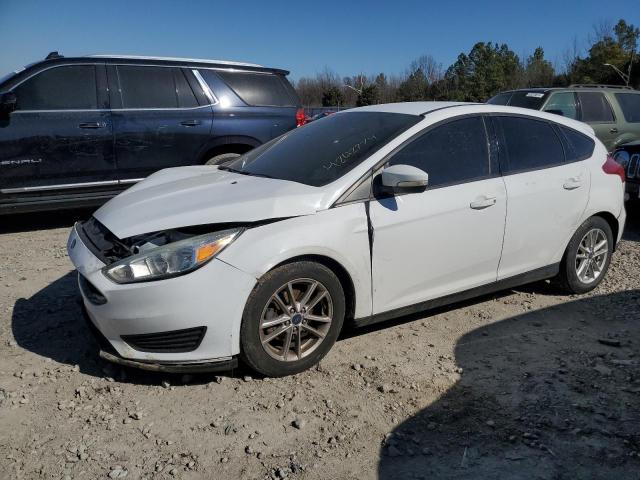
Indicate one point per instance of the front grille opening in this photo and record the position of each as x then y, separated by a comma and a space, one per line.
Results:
634, 166
175, 341
90, 292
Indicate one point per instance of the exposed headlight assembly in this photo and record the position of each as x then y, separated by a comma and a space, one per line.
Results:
172, 259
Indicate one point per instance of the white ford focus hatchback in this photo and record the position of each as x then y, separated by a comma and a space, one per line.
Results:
365, 215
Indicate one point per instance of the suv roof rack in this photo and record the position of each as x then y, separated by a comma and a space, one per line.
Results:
595, 85
178, 59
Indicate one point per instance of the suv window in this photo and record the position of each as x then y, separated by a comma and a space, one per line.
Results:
452, 153
595, 108
563, 103
147, 87
186, 97
529, 144
500, 99
60, 88
324, 150
579, 146
260, 89
630, 105
524, 99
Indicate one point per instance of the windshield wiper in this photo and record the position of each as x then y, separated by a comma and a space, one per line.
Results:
243, 172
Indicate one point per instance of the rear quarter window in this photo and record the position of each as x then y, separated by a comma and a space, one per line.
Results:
578, 146
630, 106
260, 89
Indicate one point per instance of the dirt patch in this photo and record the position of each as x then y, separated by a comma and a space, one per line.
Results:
524, 384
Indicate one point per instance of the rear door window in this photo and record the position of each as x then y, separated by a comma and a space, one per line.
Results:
578, 146
528, 144
147, 87
70, 87
630, 105
452, 153
595, 108
563, 103
260, 89
186, 98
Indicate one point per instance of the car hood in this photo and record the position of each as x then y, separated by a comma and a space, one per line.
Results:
199, 195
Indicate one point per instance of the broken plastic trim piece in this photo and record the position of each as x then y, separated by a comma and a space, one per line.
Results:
217, 365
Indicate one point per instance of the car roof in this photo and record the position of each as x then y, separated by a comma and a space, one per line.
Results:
410, 108
450, 109
177, 59
146, 60
575, 88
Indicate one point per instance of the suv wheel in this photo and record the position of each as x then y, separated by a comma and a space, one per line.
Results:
222, 159
587, 257
292, 319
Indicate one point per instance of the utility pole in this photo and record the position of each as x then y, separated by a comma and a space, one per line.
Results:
625, 76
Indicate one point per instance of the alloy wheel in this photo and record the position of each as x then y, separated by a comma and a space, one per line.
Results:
296, 319
591, 257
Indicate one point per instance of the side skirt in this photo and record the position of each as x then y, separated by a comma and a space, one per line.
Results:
506, 283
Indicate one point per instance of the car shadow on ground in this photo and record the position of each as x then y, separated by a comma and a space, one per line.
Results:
28, 222
51, 324
553, 393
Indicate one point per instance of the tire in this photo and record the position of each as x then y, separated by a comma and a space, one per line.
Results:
569, 278
270, 358
222, 159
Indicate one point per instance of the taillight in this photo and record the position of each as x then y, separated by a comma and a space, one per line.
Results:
611, 167
301, 118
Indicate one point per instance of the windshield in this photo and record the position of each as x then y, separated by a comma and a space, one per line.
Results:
532, 99
324, 150
500, 99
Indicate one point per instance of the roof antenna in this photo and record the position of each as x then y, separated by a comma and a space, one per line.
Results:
53, 55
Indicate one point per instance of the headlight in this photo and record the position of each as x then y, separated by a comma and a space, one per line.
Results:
172, 259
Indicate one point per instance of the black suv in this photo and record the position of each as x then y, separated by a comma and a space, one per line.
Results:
77, 131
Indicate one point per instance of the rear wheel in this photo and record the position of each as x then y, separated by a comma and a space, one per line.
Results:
292, 319
587, 257
222, 159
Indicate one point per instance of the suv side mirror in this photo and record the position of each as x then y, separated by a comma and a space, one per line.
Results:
404, 178
8, 102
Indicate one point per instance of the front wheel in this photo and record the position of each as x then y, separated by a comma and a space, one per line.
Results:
587, 257
292, 319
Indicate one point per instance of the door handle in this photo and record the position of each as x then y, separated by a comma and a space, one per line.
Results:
190, 123
92, 125
572, 183
613, 130
483, 202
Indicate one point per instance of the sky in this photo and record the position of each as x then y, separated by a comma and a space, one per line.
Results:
304, 37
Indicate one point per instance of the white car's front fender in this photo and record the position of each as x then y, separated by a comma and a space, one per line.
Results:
340, 234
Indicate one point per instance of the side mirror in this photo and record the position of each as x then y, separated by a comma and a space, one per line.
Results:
8, 102
404, 178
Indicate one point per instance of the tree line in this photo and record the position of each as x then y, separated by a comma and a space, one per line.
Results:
485, 70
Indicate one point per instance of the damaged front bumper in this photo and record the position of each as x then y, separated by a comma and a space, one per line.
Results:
107, 352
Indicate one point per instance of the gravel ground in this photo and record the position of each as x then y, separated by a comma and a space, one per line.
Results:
528, 383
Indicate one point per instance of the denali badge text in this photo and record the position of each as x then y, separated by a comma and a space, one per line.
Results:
24, 161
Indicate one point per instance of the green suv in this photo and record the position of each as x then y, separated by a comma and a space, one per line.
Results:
612, 111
